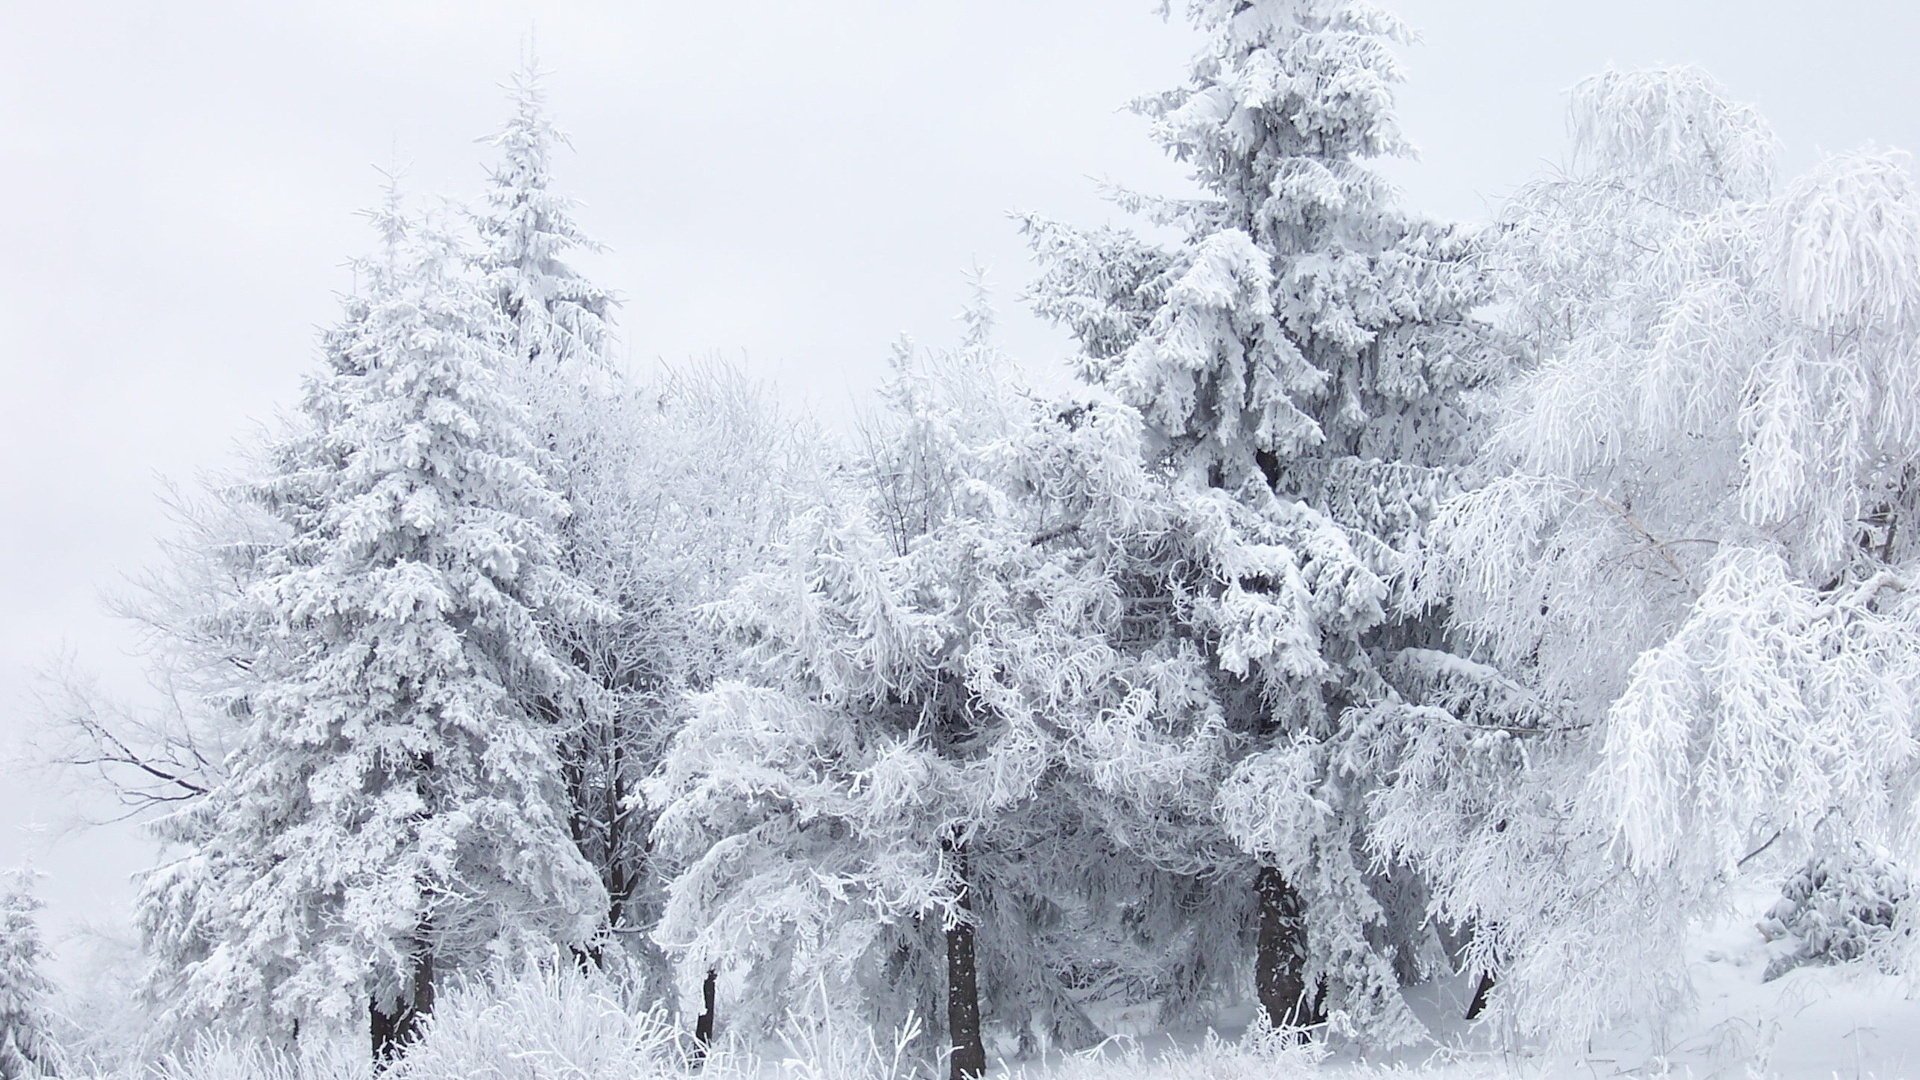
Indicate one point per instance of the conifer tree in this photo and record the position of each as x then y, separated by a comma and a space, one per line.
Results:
671, 486
392, 811
845, 812
580, 412
26, 1041
825, 809
1303, 339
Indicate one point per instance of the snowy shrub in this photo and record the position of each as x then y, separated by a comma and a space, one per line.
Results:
545, 1023
221, 1057
1840, 906
827, 1044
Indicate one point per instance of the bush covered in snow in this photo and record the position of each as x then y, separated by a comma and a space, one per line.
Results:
1842, 905
543, 1025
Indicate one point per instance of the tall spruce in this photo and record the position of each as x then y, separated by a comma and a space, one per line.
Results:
559, 365
674, 487
392, 811
1302, 339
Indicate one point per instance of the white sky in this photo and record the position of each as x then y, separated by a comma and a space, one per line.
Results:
790, 185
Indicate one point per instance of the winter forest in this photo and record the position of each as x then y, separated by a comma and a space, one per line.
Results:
1391, 646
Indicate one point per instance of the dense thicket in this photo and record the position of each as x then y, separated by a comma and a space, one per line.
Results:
1685, 583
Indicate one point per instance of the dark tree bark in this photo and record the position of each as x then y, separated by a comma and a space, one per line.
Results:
703, 1024
1280, 961
969, 1058
393, 1028
1479, 1003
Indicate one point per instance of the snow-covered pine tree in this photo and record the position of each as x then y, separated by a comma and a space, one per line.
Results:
26, 1038
581, 410
393, 810
673, 487
1303, 339
1691, 584
863, 805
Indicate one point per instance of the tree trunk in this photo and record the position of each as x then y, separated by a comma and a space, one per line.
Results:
969, 1059
1280, 961
392, 1030
703, 1025
1479, 1004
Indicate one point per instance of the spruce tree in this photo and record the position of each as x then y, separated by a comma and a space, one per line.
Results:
860, 813
580, 411
824, 809
1302, 339
392, 811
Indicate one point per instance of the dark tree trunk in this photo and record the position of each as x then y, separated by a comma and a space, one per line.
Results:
393, 1030
969, 1059
1280, 963
383, 1025
703, 1025
1479, 1004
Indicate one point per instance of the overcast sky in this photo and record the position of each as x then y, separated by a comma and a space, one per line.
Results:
789, 185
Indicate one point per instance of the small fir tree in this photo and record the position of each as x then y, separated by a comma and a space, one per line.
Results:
26, 1041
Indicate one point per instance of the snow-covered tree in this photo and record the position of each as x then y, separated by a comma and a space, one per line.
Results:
580, 410
1303, 340
841, 811
672, 487
1842, 905
26, 1039
1689, 586
829, 810
392, 810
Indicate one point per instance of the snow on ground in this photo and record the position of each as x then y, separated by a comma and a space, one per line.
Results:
1814, 1023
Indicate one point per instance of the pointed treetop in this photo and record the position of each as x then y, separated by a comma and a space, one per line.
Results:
1283, 79
388, 218
977, 317
527, 232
